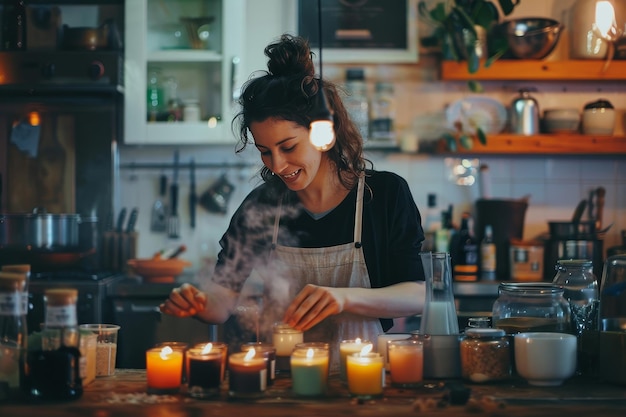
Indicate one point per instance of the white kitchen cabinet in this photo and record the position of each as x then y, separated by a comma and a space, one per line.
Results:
210, 73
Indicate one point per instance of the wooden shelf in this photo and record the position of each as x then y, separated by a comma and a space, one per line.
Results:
537, 70
548, 144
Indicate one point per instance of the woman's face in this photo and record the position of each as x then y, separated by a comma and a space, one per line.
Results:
286, 150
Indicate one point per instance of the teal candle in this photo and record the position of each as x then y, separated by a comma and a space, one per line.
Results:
309, 371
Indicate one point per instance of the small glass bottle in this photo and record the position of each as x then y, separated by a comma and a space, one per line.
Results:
485, 355
488, 256
464, 252
155, 94
356, 102
530, 307
382, 114
55, 369
13, 333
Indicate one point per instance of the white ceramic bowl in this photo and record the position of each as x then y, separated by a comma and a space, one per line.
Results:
598, 121
545, 359
561, 120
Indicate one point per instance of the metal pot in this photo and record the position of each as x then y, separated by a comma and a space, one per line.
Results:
39, 230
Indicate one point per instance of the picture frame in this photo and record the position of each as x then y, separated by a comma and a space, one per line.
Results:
361, 31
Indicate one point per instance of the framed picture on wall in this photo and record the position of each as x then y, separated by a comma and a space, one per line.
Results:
363, 31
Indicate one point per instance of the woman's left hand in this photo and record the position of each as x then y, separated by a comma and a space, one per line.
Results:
312, 305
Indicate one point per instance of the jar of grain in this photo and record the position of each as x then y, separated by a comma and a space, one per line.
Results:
485, 355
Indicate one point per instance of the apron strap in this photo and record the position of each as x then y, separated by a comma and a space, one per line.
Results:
358, 215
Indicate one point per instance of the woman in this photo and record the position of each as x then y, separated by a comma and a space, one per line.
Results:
324, 245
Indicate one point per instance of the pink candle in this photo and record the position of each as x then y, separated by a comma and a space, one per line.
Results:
406, 361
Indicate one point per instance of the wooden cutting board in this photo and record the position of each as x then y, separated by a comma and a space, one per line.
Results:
47, 180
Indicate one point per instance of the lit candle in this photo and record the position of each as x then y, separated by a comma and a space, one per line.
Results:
348, 347
204, 368
309, 371
382, 342
284, 340
247, 374
268, 351
366, 373
164, 368
406, 362
215, 346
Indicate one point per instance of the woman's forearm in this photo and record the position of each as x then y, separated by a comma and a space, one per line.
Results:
398, 300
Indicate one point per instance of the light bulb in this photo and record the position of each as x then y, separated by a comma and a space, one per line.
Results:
322, 134
606, 23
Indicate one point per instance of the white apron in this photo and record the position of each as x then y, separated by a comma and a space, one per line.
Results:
333, 266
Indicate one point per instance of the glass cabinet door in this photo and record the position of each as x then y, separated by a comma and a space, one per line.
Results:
181, 66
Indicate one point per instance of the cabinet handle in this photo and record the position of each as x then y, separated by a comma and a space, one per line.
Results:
234, 64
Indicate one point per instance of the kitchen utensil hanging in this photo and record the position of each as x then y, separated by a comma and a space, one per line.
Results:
158, 221
215, 199
173, 226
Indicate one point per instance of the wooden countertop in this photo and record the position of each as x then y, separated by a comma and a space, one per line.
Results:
124, 394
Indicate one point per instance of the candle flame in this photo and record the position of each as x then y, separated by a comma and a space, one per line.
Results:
207, 348
309, 353
366, 349
249, 355
166, 352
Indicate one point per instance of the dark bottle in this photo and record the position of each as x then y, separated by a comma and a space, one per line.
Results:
54, 370
13, 333
14, 26
464, 251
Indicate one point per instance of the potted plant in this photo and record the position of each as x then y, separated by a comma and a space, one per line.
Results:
461, 24
462, 29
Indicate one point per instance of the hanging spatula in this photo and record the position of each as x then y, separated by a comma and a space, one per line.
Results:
158, 221
173, 226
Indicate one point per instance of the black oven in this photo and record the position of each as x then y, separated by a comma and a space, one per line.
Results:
61, 115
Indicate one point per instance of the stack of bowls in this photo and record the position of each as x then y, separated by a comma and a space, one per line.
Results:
561, 120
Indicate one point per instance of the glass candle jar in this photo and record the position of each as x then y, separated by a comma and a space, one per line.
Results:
485, 355
531, 307
284, 339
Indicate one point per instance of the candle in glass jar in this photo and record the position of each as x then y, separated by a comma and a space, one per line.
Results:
348, 347
247, 374
268, 351
309, 371
164, 367
284, 339
366, 374
204, 369
406, 361
215, 346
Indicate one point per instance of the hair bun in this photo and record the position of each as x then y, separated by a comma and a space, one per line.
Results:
289, 56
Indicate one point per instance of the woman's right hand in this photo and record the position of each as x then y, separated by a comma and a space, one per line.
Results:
184, 301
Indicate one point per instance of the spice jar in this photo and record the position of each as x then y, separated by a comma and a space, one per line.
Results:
485, 355
531, 307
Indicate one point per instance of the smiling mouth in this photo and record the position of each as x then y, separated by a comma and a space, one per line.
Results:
293, 174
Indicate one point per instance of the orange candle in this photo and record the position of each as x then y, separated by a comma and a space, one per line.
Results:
164, 368
348, 347
406, 361
366, 374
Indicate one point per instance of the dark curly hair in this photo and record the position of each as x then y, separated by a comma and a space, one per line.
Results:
287, 91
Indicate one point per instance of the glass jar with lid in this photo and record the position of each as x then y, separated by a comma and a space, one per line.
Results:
581, 291
531, 306
485, 355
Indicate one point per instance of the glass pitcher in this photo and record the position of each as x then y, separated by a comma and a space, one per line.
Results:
439, 316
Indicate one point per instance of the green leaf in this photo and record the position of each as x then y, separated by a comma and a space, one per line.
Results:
475, 86
473, 62
466, 141
482, 138
450, 142
507, 6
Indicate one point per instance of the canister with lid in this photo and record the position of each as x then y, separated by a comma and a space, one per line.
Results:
531, 307
525, 114
485, 355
